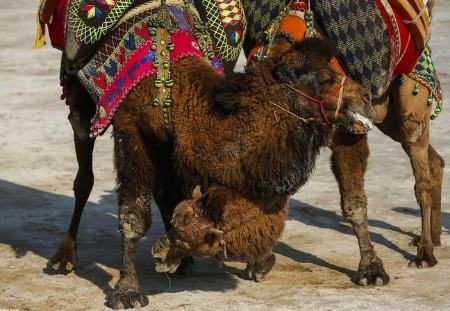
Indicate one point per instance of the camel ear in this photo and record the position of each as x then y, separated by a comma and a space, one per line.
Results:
197, 192
286, 73
213, 235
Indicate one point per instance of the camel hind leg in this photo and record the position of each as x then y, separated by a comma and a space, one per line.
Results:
135, 178
408, 122
437, 171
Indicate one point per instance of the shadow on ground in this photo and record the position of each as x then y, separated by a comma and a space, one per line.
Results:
317, 217
445, 217
35, 221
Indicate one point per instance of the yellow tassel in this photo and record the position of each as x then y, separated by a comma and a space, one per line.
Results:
40, 33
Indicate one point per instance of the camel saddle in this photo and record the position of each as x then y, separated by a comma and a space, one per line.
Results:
416, 17
79, 26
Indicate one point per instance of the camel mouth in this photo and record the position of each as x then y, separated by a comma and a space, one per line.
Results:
355, 123
165, 266
162, 263
359, 124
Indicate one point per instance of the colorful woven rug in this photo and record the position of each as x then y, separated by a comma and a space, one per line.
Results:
130, 54
366, 38
90, 20
425, 73
227, 24
261, 13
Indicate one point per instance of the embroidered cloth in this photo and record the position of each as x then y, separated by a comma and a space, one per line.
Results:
127, 56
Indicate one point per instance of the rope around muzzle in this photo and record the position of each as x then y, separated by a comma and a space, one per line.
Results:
320, 102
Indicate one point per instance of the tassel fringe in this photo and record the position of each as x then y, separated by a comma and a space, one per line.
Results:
40, 33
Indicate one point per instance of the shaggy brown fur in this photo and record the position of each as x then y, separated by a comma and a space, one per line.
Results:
223, 220
253, 147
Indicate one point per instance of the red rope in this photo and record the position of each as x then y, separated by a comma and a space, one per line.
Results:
320, 102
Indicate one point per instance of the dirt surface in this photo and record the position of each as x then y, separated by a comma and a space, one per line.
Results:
316, 257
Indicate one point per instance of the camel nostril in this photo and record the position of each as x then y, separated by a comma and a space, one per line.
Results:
367, 98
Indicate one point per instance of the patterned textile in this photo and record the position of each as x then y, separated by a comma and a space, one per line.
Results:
227, 26
260, 13
366, 37
425, 73
90, 20
57, 27
130, 54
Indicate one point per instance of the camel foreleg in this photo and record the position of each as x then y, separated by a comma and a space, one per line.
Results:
79, 100
349, 162
135, 178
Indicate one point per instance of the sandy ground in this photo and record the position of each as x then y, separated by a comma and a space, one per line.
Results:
316, 257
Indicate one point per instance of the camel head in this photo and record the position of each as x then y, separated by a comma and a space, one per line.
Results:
313, 87
192, 233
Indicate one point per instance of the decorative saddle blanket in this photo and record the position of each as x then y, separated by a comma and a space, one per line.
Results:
425, 73
375, 43
261, 13
366, 37
366, 49
80, 25
143, 44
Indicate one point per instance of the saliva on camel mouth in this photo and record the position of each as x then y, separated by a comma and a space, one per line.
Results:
355, 123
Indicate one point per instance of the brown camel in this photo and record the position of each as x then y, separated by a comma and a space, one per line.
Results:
258, 132
224, 221
179, 241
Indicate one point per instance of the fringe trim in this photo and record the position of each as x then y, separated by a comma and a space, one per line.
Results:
40, 33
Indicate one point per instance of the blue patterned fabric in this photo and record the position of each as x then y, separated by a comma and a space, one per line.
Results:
362, 40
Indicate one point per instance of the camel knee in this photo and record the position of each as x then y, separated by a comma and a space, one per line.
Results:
354, 209
412, 128
135, 219
437, 163
84, 181
422, 190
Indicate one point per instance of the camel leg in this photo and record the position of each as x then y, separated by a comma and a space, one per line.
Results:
437, 171
65, 258
414, 121
349, 162
135, 178
418, 154
258, 269
167, 193
407, 122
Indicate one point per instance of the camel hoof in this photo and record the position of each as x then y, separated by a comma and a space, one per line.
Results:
185, 267
126, 299
425, 258
65, 258
257, 271
372, 274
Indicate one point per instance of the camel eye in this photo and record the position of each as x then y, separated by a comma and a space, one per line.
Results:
324, 82
324, 78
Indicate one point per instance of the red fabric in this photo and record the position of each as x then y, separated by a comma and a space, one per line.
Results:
56, 29
409, 53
